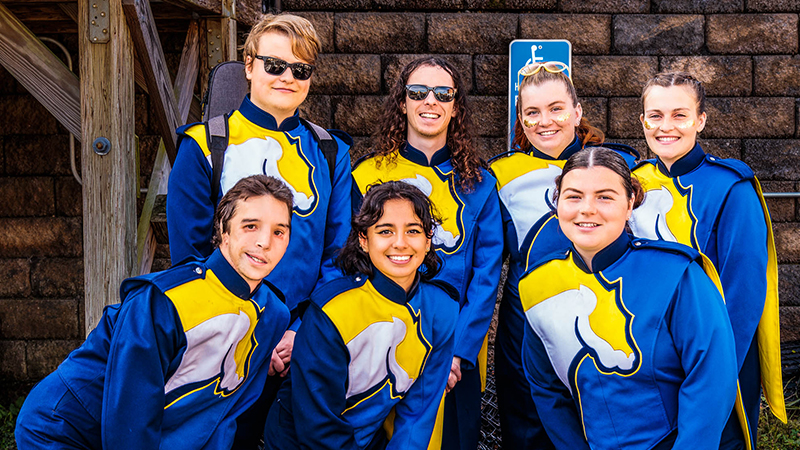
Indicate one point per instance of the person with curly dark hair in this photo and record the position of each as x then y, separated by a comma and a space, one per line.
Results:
424, 138
376, 343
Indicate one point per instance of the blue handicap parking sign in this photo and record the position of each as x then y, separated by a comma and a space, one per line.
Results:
522, 52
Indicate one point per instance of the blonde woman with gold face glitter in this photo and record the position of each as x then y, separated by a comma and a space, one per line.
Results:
715, 206
550, 127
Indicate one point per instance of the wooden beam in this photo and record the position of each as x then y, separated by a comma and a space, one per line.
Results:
109, 181
201, 6
154, 66
187, 71
184, 90
42, 73
70, 9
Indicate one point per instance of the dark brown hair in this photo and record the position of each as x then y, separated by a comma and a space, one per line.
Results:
393, 126
587, 134
603, 157
352, 259
248, 187
667, 79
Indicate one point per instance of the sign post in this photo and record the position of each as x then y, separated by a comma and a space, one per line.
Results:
522, 52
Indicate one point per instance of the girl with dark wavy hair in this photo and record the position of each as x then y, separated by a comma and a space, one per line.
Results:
376, 341
424, 138
550, 127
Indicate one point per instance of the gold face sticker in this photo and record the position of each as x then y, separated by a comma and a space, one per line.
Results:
533, 123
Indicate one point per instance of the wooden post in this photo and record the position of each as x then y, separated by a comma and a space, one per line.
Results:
109, 185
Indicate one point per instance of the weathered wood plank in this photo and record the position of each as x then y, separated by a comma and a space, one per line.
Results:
42, 73
248, 12
187, 71
154, 66
70, 9
109, 181
201, 6
145, 238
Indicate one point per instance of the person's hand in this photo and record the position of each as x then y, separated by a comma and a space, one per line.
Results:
455, 373
282, 355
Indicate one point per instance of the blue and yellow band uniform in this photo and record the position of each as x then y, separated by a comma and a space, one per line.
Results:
470, 244
627, 360
715, 206
525, 183
170, 367
366, 347
287, 151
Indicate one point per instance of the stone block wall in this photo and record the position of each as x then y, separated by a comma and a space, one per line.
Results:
746, 52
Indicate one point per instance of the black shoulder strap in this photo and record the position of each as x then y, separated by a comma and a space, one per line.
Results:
217, 139
326, 143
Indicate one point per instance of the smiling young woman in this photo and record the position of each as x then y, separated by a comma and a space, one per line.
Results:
376, 341
715, 206
607, 344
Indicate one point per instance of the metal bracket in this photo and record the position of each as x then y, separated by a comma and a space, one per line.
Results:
101, 146
99, 10
214, 41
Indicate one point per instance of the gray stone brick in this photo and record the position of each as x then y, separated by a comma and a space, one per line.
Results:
657, 34
394, 64
623, 118
788, 287
605, 6
780, 209
471, 33
15, 274
772, 6
752, 33
362, 145
57, 277
23, 114
45, 356
40, 236
37, 155
697, 6
730, 76
26, 196
590, 34
317, 109
323, 25
488, 147
617, 76
12, 360
777, 75
773, 159
750, 117
491, 74
69, 197
347, 74
508, 5
787, 242
722, 148
39, 319
419, 5
489, 116
380, 32
324, 5
790, 323
595, 110
358, 114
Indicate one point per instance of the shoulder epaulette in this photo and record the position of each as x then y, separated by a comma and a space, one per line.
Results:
500, 156
672, 247
558, 254
275, 291
331, 289
447, 287
344, 137
619, 148
644, 162
742, 169
183, 128
166, 279
364, 158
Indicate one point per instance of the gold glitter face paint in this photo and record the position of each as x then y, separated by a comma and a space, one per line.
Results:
648, 125
562, 118
532, 123
680, 124
529, 123
685, 125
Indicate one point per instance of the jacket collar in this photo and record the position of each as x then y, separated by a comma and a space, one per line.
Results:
686, 164
604, 257
264, 119
418, 157
228, 276
574, 147
392, 290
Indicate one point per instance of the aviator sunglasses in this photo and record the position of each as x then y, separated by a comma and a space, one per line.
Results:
444, 94
534, 68
275, 66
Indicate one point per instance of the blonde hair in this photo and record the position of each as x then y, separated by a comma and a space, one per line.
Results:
305, 42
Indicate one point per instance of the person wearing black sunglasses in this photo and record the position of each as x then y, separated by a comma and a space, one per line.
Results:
424, 138
266, 135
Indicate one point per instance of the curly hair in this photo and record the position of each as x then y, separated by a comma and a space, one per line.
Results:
352, 259
393, 126
587, 133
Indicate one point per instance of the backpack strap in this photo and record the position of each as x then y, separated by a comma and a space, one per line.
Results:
217, 138
326, 143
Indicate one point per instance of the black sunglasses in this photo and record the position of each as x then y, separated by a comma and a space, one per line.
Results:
275, 66
420, 91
